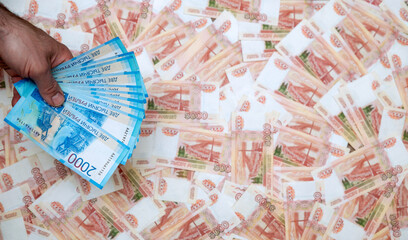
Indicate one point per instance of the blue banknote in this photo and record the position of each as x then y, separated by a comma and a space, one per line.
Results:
67, 135
99, 124
127, 79
109, 49
124, 64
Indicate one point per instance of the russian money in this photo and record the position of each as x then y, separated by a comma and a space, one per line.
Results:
86, 136
251, 120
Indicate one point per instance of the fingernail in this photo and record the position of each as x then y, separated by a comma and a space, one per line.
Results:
58, 99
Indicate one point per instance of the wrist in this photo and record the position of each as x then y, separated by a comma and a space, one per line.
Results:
5, 20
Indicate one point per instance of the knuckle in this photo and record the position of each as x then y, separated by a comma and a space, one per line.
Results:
40, 71
65, 51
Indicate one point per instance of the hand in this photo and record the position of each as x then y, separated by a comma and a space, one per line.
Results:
28, 52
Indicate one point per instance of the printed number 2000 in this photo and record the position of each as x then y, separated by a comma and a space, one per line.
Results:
81, 164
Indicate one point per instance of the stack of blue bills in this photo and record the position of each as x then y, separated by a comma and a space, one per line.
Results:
98, 126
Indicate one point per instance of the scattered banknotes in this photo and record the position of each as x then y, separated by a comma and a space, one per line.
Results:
273, 119
90, 138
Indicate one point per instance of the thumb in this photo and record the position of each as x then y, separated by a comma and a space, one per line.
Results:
49, 88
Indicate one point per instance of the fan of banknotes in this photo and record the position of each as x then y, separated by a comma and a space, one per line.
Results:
99, 125
267, 119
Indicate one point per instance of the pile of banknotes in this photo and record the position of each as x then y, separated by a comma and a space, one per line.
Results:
98, 126
261, 120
